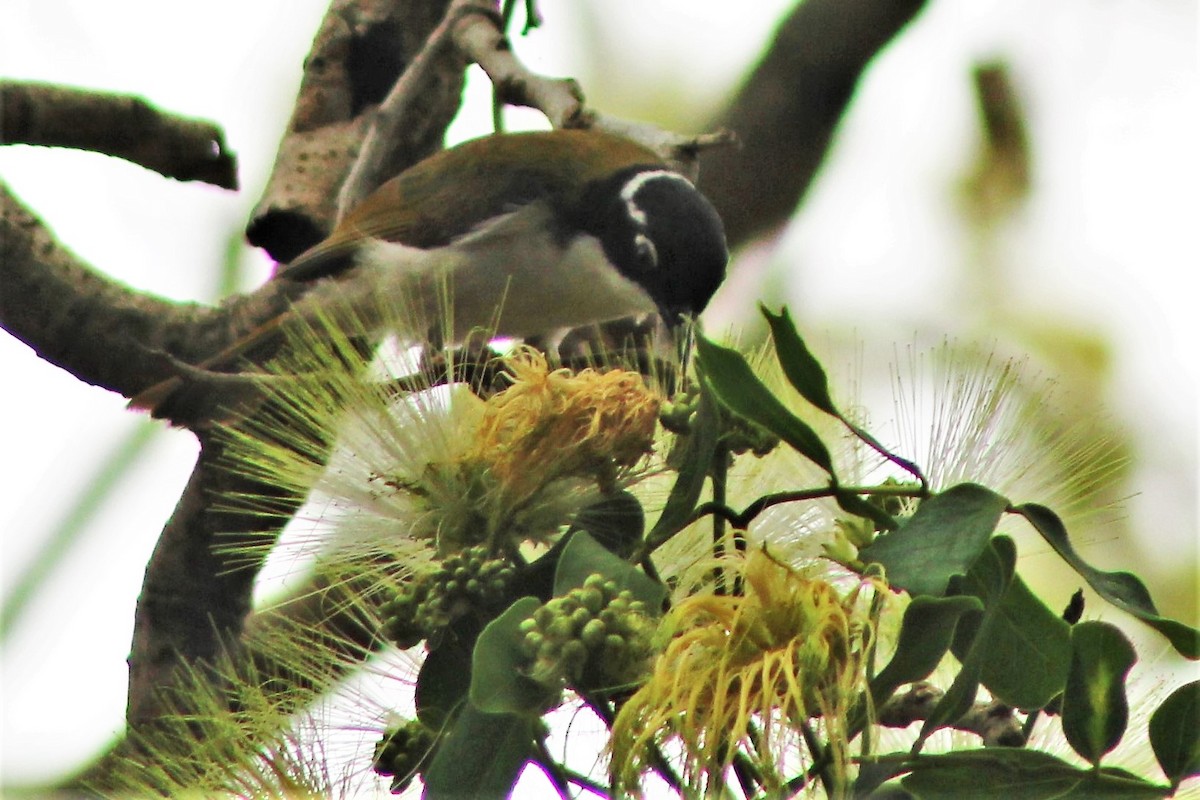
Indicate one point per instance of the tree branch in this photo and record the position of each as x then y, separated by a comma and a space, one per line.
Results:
117, 125
194, 600
993, 721
360, 51
71, 315
100, 330
786, 112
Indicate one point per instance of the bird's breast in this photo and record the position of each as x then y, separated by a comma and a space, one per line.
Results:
517, 276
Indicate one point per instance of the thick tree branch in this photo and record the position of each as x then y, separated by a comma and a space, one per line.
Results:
401, 110
194, 600
71, 315
360, 51
98, 329
117, 125
786, 112
195, 595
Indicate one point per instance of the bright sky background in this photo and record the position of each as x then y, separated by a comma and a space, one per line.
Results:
1108, 242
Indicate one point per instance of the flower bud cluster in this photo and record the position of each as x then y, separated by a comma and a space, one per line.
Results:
594, 636
464, 581
402, 752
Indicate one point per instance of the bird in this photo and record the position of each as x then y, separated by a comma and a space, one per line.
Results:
521, 234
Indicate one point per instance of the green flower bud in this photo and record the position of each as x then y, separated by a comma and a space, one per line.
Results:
593, 634
614, 646
580, 617
560, 629
574, 656
591, 598
532, 644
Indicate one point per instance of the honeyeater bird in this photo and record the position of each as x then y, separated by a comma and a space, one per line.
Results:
522, 234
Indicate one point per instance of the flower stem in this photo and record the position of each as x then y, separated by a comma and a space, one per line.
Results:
741, 520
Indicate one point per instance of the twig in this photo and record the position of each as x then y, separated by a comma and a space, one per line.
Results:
553, 770
480, 37
358, 54
992, 721
741, 520
658, 762
680, 151
821, 759
478, 33
398, 108
118, 125
583, 781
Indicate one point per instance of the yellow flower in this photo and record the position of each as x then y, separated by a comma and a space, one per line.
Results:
748, 672
551, 424
390, 473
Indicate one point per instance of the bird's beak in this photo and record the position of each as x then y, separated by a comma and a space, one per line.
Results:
682, 327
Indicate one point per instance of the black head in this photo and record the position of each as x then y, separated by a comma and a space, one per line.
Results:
659, 231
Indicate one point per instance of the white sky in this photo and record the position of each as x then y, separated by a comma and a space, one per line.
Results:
1108, 242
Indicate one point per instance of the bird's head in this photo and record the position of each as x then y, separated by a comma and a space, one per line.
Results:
660, 232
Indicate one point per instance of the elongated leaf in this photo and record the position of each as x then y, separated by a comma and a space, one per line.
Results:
498, 684
925, 634
942, 539
1175, 733
737, 388
584, 556
481, 756
992, 574
697, 458
1009, 773
1094, 709
1028, 652
807, 376
443, 682
1123, 589
802, 370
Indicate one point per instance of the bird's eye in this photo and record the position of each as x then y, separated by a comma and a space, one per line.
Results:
646, 252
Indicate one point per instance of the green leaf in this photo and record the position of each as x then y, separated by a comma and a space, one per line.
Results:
1027, 652
617, 522
872, 775
992, 574
498, 682
584, 556
1009, 773
802, 370
853, 504
1175, 733
444, 680
1094, 709
807, 376
697, 457
924, 638
737, 388
1123, 589
481, 756
942, 539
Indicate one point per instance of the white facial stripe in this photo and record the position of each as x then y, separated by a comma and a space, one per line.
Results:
637, 182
